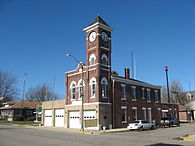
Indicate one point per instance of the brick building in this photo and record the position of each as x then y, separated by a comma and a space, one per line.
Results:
110, 101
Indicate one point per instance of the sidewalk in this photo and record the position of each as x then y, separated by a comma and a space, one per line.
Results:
86, 131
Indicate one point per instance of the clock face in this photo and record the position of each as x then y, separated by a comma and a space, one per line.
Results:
92, 36
104, 36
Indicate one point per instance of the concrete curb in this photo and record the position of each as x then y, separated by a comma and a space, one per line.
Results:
70, 131
102, 132
187, 138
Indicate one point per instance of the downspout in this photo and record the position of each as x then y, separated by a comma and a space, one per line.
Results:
113, 104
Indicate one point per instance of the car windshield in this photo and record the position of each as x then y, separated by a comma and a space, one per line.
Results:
135, 121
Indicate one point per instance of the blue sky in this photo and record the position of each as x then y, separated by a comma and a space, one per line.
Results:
36, 35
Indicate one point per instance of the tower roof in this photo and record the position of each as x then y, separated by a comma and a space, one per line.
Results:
100, 20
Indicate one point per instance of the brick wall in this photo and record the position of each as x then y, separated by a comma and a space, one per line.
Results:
140, 104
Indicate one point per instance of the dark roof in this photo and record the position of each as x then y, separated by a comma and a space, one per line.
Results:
100, 20
130, 79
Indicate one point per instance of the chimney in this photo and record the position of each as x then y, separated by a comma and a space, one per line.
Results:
127, 75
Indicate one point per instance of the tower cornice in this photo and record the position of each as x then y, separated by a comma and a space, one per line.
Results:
98, 24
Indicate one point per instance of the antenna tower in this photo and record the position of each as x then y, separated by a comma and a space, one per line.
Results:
133, 65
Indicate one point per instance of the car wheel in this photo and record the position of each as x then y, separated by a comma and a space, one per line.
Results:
131, 130
152, 128
141, 128
171, 125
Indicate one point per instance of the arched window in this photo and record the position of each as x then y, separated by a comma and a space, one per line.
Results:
92, 59
104, 87
93, 87
73, 90
104, 59
81, 88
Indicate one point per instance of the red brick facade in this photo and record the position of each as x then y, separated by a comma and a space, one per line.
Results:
110, 89
158, 109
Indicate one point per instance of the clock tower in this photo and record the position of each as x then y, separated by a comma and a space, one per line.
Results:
98, 58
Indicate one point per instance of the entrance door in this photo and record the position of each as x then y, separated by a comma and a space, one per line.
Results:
48, 118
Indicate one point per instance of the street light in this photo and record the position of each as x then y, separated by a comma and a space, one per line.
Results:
82, 96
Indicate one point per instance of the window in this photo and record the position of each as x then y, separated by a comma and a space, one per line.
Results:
124, 114
175, 113
148, 95
92, 59
81, 88
133, 93
134, 113
104, 59
144, 114
73, 90
123, 96
149, 115
156, 96
143, 93
17, 112
29, 112
159, 113
93, 87
104, 85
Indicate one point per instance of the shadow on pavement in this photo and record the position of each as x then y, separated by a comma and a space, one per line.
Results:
164, 144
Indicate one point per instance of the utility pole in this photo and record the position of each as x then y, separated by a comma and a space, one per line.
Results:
166, 71
24, 85
23, 96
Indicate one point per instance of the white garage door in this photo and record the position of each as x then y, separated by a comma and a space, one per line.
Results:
74, 119
48, 118
89, 115
59, 117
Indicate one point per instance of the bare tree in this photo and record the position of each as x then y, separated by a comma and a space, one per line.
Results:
41, 93
8, 90
114, 73
164, 97
176, 92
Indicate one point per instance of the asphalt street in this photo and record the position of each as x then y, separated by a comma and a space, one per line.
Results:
25, 136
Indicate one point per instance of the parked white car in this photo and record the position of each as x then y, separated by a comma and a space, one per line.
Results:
141, 125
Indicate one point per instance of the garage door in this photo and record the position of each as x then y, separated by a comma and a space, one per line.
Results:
74, 119
48, 118
90, 119
89, 115
59, 117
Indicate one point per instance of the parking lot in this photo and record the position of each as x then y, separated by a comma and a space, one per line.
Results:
23, 136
